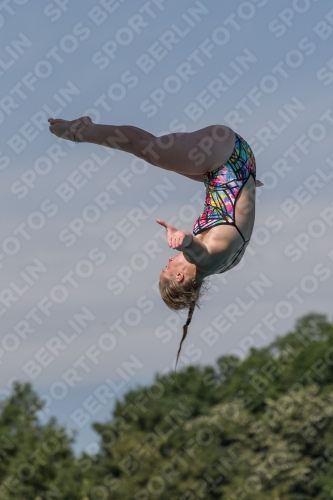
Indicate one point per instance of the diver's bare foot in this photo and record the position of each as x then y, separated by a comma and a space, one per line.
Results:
70, 130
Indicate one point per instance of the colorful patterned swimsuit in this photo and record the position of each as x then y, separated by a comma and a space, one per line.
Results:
223, 187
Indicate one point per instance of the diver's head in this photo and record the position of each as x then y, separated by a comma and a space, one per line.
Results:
180, 288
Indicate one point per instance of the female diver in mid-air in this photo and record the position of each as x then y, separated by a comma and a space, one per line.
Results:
214, 155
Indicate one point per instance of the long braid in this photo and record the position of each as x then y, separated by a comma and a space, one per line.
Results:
185, 328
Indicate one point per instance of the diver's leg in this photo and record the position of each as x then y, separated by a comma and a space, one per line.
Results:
193, 153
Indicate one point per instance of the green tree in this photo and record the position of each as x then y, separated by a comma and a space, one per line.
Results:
256, 428
36, 461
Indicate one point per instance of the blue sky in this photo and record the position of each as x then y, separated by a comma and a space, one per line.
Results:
274, 61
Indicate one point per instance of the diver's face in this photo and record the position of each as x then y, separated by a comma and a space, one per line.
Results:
173, 264
178, 267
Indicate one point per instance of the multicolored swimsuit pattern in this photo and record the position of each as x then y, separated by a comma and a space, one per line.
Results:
223, 186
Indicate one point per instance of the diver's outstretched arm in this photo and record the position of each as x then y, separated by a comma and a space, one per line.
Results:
195, 251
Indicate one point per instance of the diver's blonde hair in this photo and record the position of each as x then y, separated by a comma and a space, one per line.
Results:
179, 296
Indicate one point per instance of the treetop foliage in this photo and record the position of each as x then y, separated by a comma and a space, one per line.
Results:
255, 428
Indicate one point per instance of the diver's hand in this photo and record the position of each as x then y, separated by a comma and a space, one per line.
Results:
177, 238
